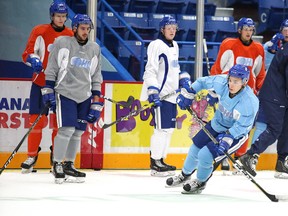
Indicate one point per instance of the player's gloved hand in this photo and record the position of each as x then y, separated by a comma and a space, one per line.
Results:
94, 112
185, 98
35, 63
273, 46
212, 98
153, 96
48, 96
225, 141
184, 80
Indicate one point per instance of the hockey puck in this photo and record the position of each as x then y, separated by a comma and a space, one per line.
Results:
34, 171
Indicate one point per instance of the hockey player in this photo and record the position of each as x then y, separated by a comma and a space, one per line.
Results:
273, 107
276, 42
161, 77
230, 125
36, 55
73, 85
242, 50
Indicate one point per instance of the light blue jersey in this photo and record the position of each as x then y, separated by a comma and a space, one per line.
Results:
235, 114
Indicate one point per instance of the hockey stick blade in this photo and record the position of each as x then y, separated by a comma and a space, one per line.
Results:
120, 103
43, 111
236, 164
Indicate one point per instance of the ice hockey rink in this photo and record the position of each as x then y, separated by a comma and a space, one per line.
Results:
135, 192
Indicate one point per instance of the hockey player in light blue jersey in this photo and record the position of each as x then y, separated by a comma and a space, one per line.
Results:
231, 124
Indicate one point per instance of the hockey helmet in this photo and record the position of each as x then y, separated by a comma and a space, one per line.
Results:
167, 20
245, 22
240, 71
58, 7
284, 24
81, 19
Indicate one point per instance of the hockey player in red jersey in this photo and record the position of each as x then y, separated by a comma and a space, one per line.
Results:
242, 50
35, 55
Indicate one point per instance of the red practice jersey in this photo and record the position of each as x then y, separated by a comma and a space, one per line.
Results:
40, 43
232, 51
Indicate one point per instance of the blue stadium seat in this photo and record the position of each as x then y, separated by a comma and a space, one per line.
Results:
142, 6
271, 14
129, 60
110, 41
222, 26
139, 22
117, 5
170, 6
187, 27
191, 8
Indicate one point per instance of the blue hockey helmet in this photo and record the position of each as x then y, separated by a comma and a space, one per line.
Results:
58, 7
81, 19
245, 22
284, 24
167, 20
240, 71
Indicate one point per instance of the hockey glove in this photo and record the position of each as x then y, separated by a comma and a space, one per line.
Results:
153, 96
274, 42
212, 98
225, 141
48, 96
94, 112
184, 80
185, 98
35, 63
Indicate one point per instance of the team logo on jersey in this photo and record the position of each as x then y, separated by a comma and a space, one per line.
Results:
224, 111
80, 62
244, 61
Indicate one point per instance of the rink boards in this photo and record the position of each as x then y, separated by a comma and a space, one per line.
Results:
122, 146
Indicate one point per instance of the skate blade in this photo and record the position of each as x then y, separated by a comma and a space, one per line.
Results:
27, 171
72, 179
191, 192
175, 186
162, 174
280, 175
226, 173
59, 180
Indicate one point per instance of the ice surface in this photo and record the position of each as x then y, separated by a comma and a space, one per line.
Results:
135, 192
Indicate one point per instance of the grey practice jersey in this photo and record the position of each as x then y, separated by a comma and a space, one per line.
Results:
75, 69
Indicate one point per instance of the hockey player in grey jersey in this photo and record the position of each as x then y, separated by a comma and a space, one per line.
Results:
162, 76
73, 85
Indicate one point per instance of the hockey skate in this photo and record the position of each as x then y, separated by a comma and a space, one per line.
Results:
28, 164
72, 175
178, 180
281, 169
194, 187
172, 168
249, 162
158, 169
58, 172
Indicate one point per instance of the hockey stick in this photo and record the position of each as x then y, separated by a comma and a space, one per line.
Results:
121, 103
206, 55
236, 164
43, 111
133, 113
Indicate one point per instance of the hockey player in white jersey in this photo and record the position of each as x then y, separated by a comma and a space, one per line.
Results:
73, 85
161, 77
231, 124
